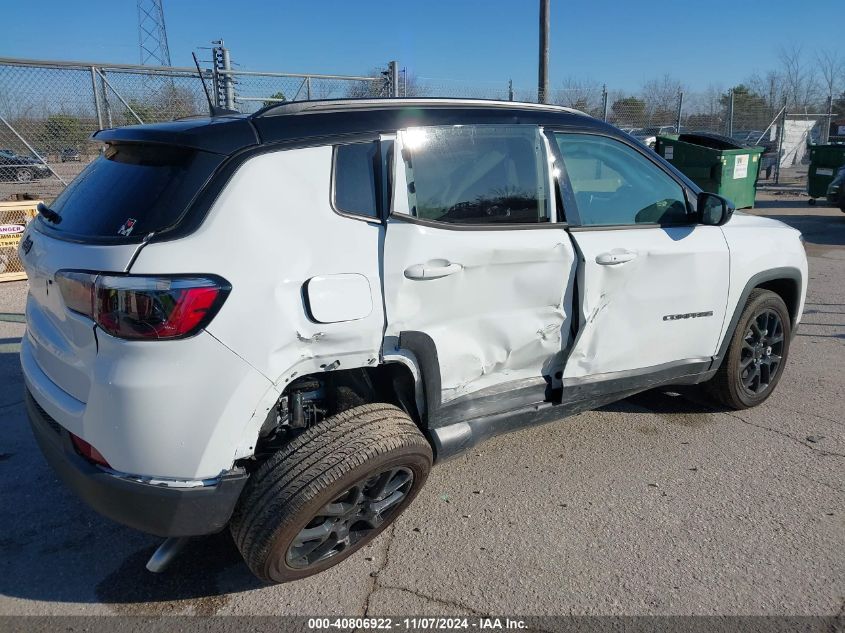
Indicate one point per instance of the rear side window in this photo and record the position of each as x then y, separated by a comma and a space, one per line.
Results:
355, 178
483, 174
132, 190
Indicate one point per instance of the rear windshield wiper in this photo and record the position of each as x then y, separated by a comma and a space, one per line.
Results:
48, 214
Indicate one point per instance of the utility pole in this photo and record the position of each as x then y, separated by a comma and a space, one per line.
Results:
604, 102
393, 75
543, 75
225, 84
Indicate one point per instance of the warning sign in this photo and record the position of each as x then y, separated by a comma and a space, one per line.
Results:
741, 167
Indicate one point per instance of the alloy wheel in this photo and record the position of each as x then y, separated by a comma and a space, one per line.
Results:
762, 352
350, 517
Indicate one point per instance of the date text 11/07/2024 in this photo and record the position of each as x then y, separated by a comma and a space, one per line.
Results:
414, 624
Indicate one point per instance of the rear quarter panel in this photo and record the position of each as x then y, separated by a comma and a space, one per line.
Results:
270, 230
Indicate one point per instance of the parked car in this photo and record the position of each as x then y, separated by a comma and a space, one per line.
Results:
648, 135
836, 190
748, 137
69, 154
279, 321
21, 168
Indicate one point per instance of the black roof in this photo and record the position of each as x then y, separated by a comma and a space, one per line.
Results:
313, 119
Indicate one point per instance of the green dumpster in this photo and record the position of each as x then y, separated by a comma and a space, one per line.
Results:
715, 163
824, 161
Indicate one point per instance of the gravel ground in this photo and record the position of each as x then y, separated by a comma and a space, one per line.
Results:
654, 505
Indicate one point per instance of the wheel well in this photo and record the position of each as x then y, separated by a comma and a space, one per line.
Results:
788, 290
311, 398
390, 382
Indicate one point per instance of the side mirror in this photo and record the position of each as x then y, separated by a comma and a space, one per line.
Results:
713, 209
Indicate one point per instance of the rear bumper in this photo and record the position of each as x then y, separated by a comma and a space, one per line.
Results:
157, 509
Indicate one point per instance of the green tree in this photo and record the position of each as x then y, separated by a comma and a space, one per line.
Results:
628, 111
751, 111
275, 99
60, 131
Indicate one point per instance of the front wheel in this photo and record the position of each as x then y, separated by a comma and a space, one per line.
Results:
23, 175
756, 355
329, 492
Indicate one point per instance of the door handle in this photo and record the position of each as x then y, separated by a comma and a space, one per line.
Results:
433, 269
615, 257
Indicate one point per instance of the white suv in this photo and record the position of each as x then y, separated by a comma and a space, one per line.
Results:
277, 322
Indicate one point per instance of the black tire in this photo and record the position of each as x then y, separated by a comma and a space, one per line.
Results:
811, 201
331, 464
24, 175
745, 355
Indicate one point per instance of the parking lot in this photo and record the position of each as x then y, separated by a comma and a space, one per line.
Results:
659, 504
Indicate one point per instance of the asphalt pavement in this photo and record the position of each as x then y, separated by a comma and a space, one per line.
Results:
659, 504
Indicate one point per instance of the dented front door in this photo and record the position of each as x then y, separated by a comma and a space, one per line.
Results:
652, 281
661, 302
474, 260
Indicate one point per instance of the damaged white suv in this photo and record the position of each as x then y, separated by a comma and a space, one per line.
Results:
277, 322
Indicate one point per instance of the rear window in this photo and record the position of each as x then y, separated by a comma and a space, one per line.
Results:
132, 190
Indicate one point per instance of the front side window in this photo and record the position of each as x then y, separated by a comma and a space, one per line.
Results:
354, 178
484, 174
614, 184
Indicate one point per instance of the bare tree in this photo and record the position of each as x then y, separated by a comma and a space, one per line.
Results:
585, 95
771, 86
703, 110
661, 98
410, 85
831, 67
800, 85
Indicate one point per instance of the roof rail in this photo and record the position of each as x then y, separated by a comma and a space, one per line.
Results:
339, 105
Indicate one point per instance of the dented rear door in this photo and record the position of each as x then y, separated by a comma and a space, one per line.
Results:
652, 283
475, 261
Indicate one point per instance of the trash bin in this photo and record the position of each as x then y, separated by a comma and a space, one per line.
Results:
824, 161
715, 163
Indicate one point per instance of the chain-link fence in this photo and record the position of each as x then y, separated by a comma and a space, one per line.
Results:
661, 107
48, 110
252, 91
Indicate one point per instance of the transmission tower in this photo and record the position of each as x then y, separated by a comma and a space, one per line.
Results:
152, 35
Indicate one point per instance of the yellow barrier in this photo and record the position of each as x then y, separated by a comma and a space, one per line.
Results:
14, 216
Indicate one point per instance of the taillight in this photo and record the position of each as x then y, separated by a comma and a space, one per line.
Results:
134, 307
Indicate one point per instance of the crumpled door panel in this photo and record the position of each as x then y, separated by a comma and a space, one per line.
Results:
628, 309
499, 317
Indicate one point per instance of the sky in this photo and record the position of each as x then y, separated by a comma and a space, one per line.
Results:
618, 42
